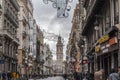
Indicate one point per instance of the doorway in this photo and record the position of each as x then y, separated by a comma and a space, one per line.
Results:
107, 65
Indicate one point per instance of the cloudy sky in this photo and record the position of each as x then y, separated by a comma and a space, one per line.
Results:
46, 18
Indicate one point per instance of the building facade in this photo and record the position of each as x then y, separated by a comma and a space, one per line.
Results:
27, 34
8, 35
23, 34
101, 28
74, 48
40, 48
48, 61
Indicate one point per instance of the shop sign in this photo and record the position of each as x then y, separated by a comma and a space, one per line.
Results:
108, 45
103, 39
113, 41
2, 61
105, 50
97, 48
103, 47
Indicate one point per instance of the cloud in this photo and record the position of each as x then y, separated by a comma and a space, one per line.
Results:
46, 18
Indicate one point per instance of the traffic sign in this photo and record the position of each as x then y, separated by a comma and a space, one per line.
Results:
2, 61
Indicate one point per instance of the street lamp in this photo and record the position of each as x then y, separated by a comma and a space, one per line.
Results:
96, 24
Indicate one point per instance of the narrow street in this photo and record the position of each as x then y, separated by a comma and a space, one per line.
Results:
51, 78
57, 39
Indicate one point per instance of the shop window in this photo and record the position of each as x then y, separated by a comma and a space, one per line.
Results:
98, 63
115, 60
116, 11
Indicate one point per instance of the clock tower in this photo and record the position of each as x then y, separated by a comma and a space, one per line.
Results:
59, 47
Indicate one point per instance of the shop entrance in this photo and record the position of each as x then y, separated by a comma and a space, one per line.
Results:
107, 65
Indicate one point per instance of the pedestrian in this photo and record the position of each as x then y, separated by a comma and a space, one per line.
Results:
0, 75
114, 75
119, 71
99, 75
4, 75
9, 75
87, 75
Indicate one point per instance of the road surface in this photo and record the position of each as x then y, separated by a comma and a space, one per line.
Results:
51, 78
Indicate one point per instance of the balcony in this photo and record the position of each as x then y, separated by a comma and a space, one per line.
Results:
92, 9
24, 34
15, 4
13, 19
16, 40
7, 33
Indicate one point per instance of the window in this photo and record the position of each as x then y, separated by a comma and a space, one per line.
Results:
107, 17
115, 60
4, 24
116, 11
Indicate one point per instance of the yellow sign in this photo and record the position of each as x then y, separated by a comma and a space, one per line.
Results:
97, 48
103, 39
15, 75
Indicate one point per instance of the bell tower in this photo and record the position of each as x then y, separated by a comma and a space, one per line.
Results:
59, 50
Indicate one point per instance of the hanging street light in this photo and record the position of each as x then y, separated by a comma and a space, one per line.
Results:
62, 7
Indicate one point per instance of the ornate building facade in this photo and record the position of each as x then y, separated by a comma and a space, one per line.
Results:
8, 35
101, 28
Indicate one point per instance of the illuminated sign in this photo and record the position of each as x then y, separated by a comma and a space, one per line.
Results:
113, 41
97, 48
103, 39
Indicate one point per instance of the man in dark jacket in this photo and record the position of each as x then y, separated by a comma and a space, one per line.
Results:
9, 75
4, 75
114, 75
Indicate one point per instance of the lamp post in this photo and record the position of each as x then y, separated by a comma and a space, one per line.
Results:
96, 27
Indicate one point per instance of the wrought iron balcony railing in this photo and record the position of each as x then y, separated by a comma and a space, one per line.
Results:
11, 16
15, 4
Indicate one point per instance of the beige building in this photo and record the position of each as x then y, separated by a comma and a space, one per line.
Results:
8, 35
74, 51
47, 66
24, 59
39, 52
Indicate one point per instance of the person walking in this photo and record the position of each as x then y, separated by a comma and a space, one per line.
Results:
114, 75
9, 75
119, 71
99, 75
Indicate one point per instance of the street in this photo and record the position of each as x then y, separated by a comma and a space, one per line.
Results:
59, 39
51, 78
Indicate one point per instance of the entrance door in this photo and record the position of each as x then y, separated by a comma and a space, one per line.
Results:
107, 65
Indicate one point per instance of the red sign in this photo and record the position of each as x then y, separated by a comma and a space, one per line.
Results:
85, 61
113, 41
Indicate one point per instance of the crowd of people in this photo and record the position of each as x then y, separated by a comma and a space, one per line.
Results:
98, 75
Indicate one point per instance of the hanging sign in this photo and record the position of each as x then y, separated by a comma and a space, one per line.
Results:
103, 39
97, 48
113, 41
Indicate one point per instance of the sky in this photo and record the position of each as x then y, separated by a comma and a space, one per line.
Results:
46, 17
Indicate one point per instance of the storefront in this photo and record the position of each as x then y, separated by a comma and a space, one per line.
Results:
107, 53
